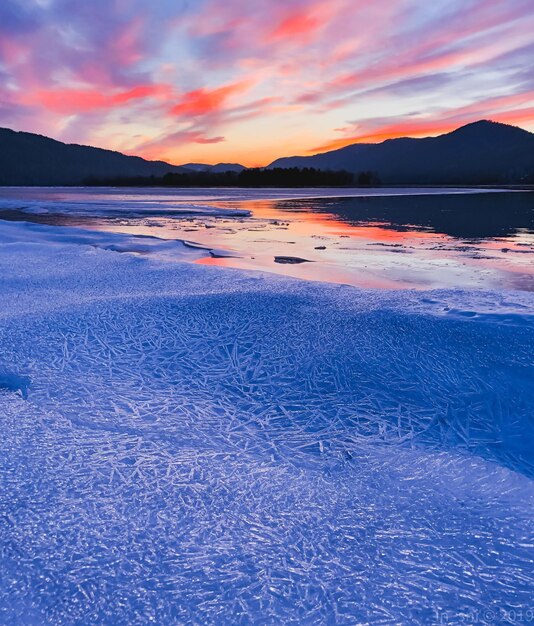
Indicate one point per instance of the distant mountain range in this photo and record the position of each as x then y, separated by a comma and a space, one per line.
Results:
214, 169
478, 153
28, 159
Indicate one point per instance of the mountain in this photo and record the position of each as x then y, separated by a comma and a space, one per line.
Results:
215, 169
29, 159
478, 153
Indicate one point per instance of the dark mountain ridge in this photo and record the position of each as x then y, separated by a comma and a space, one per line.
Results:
479, 153
30, 159
482, 152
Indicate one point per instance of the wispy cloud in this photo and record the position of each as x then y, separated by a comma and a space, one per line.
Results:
266, 75
515, 109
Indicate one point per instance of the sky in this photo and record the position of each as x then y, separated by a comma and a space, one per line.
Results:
242, 81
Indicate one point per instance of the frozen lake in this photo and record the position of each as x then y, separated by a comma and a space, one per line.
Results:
190, 444
386, 238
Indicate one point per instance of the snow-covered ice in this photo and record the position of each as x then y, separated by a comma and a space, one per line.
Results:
193, 445
126, 208
31, 235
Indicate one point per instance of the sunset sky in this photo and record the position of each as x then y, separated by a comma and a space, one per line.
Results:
250, 81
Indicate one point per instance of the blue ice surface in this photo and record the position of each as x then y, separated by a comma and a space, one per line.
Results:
191, 445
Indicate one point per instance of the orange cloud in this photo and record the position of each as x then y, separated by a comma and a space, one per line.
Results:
506, 109
393, 131
205, 101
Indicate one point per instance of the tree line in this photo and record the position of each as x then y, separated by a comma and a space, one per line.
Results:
254, 177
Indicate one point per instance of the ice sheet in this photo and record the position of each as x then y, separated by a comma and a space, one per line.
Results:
186, 444
108, 206
49, 238
139, 201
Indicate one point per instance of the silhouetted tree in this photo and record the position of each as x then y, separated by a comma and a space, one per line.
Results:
368, 179
256, 177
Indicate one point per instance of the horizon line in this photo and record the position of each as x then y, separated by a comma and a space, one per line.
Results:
336, 144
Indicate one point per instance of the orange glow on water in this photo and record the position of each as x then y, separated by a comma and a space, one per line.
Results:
436, 240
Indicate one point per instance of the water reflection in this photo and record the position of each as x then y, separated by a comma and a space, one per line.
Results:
477, 216
474, 241
483, 240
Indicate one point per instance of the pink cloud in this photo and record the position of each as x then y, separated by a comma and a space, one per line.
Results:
298, 24
207, 101
209, 140
69, 101
81, 69
126, 47
394, 70
166, 144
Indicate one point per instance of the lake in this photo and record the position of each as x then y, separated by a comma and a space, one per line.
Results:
188, 444
378, 238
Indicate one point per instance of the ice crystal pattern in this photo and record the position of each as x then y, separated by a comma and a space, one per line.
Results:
257, 452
